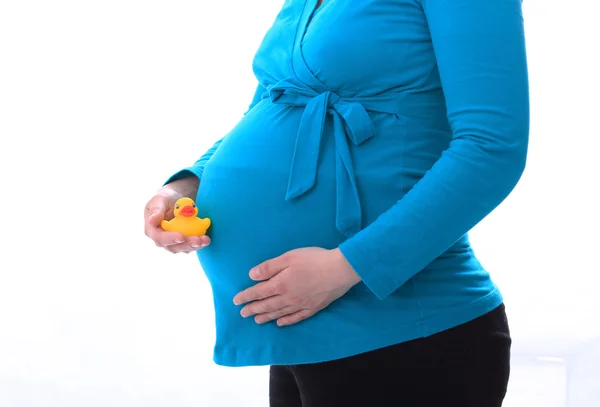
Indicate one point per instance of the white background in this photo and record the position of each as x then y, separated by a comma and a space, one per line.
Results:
100, 101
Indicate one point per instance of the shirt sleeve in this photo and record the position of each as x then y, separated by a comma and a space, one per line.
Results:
480, 52
198, 167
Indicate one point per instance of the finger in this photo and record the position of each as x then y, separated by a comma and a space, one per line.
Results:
177, 241
271, 316
270, 268
155, 217
165, 239
155, 207
188, 246
152, 225
180, 248
295, 317
260, 307
257, 292
198, 241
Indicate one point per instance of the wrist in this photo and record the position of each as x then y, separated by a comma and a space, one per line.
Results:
342, 264
187, 186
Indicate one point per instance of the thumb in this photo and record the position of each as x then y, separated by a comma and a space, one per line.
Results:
155, 219
156, 214
269, 268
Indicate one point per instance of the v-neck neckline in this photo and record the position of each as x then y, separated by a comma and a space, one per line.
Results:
314, 8
301, 70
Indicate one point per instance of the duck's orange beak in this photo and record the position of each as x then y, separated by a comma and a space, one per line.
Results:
187, 211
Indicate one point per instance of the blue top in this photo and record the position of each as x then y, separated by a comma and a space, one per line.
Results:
388, 128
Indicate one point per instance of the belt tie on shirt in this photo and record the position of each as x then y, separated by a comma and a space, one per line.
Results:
350, 121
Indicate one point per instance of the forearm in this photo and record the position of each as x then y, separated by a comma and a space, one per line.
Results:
455, 195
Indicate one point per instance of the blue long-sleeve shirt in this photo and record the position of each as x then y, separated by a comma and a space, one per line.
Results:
388, 128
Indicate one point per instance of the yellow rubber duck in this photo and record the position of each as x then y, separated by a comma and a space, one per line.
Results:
186, 220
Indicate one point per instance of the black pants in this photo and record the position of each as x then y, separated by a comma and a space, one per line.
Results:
466, 366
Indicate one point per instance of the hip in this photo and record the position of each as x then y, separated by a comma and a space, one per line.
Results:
466, 365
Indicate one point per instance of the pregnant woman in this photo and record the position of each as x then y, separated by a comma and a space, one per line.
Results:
380, 133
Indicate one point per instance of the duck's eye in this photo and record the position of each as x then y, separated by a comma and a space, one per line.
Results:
193, 205
176, 206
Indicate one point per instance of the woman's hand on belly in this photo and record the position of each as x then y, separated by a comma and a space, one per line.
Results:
296, 285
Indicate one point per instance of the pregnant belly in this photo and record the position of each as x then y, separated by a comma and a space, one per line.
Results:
243, 191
